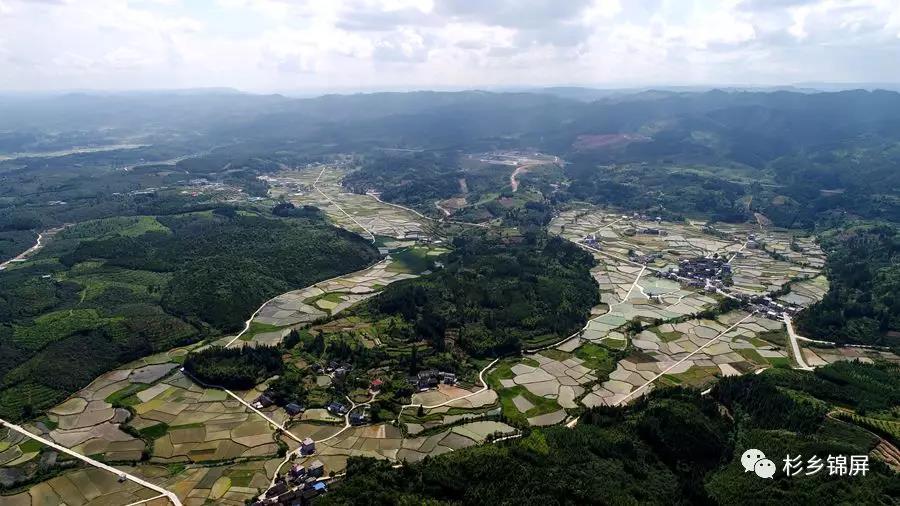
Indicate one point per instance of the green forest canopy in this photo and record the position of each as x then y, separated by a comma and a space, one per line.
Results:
240, 368
123, 288
863, 301
500, 295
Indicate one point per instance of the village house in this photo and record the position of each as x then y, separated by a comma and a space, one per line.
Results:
316, 469
308, 446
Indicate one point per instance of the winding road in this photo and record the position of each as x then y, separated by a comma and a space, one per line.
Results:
608, 310
39, 243
420, 215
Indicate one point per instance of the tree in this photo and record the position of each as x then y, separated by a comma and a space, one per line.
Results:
317, 346
413, 359
292, 339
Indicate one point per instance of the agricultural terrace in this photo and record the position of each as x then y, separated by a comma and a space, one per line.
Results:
149, 415
386, 441
320, 186
405, 260
646, 331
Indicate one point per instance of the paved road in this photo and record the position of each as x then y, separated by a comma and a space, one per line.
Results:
162, 492
798, 355
255, 313
145, 501
347, 425
250, 320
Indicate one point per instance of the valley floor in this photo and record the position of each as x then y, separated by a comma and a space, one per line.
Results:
648, 331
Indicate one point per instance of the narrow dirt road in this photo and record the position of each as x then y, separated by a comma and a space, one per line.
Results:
512, 177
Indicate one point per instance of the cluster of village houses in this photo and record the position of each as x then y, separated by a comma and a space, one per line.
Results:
431, 378
301, 484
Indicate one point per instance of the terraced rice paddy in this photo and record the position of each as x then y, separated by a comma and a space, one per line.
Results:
230, 485
818, 356
452, 404
385, 441
687, 353
542, 386
771, 259
210, 449
764, 263
328, 297
84, 486
186, 425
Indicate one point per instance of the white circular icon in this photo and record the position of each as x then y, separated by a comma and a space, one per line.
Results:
750, 458
764, 468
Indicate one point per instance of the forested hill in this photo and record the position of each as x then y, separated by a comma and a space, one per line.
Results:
109, 291
862, 305
496, 296
673, 447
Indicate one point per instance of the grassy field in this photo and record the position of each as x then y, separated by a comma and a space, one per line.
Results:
258, 328
411, 260
598, 358
694, 377
753, 356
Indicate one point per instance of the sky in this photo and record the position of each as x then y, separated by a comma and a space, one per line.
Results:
334, 45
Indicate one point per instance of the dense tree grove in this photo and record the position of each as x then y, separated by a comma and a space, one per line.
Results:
673, 447
863, 301
239, 261
498, 295
234, 368
415, 180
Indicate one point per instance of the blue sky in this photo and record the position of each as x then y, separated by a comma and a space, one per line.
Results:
315, 46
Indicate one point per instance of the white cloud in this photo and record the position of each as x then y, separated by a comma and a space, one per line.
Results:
288, 44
